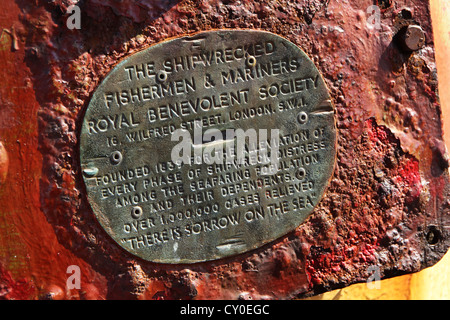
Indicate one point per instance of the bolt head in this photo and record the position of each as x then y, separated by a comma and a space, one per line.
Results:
414, 38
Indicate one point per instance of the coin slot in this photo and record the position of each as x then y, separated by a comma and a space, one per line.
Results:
209, 139
116, 157
90, 172
194, 38
324, 107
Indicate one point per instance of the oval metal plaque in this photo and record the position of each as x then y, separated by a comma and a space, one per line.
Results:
259, 127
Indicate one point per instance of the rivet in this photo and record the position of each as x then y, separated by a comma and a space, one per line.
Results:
53, 292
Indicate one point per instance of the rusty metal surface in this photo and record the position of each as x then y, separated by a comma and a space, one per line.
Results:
386, 205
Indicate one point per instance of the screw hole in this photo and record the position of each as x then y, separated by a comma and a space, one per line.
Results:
136, 212
433, 235
161, 76
116, 157
251, 61
300, 174
406, 14
302, 117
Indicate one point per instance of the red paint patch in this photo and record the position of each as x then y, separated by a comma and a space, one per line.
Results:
379, 133
11, 289
409, 174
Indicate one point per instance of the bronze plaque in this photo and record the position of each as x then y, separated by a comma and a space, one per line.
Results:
207, 146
